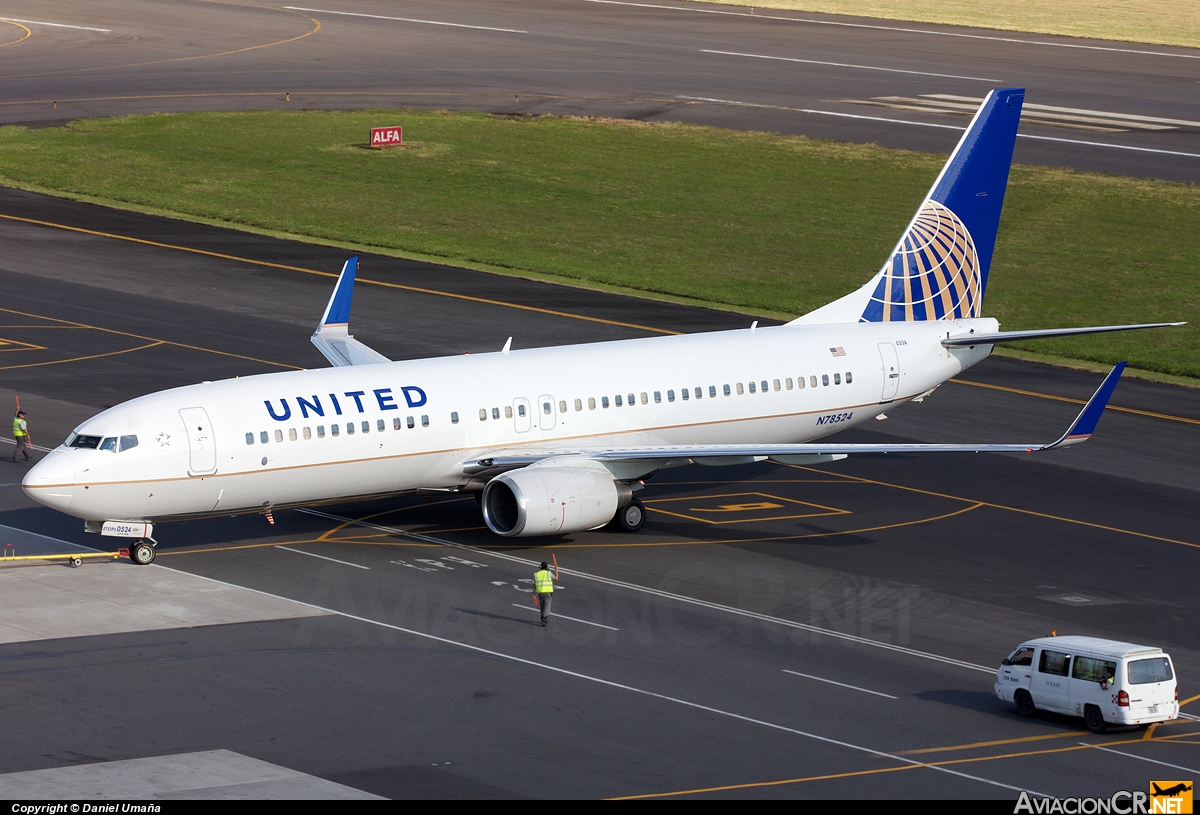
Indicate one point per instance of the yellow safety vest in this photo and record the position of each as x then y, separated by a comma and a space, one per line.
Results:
543, 582
17, 431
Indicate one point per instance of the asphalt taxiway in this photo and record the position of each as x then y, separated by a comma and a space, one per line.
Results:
772, 632
1114, 107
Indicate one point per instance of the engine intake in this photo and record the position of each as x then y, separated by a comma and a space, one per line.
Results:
551, 500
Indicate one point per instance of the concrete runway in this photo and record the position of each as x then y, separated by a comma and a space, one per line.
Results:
773, 632
1119, 108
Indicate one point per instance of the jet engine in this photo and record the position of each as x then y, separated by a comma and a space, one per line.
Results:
551, 500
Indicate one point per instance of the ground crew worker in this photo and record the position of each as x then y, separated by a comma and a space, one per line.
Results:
21, 434
543, 587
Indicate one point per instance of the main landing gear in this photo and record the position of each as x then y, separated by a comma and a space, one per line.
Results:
630, 517
142, 553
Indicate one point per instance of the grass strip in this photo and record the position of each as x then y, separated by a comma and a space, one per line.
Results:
759, 222
1166, 22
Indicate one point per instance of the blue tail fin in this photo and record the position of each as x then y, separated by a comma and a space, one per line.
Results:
939, 268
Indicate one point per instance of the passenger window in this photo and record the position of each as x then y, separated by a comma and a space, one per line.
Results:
521, 410
278, 435
483, 414
617, 400
800, 382
578, 405
837, 379
508, 411
562, 406
700, 391
644, 399
657, 397
110, 444
849, 378
453, 418
249, 439
349, 428
495, 413
307, 433
591, 403
825, 380
753, 388
424, 420
396, 421
776, 385
631, 400
726, 389
763, 385
1093, 670
812, 380
685, 393
380, 426
1054, 663
128, 442
739, 389
334, 429
787, 383
320, 431
291, 434
263, 437
546, 409
712, 391
409, 421
604, 401
670, 395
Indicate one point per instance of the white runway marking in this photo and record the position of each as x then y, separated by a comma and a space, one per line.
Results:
825, 632
556, 615
904, 30
930, 124
630, 688
406, 20
56, 25
1142, 758
840, 684
322, 557
847, 65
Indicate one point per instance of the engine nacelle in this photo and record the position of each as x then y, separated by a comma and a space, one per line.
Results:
551, 500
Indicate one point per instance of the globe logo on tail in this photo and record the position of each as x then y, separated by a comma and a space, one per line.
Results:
934, 274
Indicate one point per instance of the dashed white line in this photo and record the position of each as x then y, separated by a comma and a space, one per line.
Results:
840, 684
322, 557
1142, 758
930, 124
847, 65
556, 616
406, 20
56, 25
902, 29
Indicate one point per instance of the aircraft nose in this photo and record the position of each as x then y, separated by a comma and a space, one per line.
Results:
52, 481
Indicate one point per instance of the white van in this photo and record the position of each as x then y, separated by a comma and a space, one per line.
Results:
1104, 681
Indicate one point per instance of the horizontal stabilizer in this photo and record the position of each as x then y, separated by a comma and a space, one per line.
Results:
332, 337
1080, 430
1013, 336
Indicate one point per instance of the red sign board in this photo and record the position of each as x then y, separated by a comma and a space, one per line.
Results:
386, 136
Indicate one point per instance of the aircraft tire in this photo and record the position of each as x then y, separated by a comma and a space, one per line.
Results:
1024, 703
141, 553
630, 517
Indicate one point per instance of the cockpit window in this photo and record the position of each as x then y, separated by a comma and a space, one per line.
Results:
109, 444
128, 442
85, 442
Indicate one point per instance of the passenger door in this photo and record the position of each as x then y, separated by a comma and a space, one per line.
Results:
546, 412
891, 371
202, 443
1049, 687
521, 417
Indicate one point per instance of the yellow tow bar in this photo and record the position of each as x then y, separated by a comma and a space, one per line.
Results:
10, 556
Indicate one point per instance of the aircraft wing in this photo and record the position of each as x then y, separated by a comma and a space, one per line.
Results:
332, 337
809, 453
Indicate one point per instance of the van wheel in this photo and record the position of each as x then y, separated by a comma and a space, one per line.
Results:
1024, 703
1094, 719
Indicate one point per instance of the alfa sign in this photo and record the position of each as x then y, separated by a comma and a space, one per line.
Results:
387, 136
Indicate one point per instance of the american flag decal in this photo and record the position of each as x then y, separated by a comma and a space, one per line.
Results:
838, 352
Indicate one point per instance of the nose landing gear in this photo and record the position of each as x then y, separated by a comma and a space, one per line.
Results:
142, 553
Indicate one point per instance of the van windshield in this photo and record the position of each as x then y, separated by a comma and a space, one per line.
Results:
1145, 671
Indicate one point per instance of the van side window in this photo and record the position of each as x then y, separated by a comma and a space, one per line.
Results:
1093, 670
1054, 663
1145, 671
1021, 657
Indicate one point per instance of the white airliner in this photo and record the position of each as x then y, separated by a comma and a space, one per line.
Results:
559, 439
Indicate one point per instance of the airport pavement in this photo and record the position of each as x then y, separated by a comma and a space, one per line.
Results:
1112, 107
831, 634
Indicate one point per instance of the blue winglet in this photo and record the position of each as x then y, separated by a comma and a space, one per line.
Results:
1085, 423
338, 310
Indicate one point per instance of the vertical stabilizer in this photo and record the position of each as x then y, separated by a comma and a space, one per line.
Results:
939, 268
